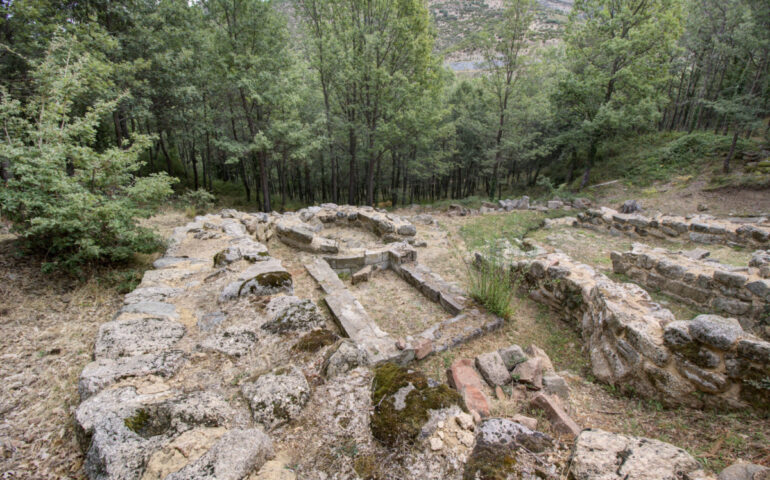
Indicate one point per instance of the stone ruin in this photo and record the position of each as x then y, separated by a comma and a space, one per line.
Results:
697, 228
734, 291
637, 345
212, 356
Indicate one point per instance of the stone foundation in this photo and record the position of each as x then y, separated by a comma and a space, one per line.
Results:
637, 345
699, 228
709, 286
303, 229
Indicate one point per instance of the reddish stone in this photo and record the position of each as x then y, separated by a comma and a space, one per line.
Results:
423, 348
559, 419
499, 393
463, 377
476, 401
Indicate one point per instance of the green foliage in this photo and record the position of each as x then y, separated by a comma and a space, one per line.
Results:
198, 201
663, 156
69, 201
490, 285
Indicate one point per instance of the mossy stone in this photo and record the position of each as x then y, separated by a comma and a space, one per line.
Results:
399, 419
489, 463
315, 340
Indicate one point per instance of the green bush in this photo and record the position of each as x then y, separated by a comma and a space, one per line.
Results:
69, 201
197, 202
490, 285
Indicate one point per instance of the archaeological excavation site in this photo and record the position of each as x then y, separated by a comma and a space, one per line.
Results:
341, 342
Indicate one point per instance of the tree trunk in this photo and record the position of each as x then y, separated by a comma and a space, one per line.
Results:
352, 143
263, 172
729, 157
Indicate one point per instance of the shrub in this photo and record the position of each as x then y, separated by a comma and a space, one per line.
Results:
68, 200
197, 202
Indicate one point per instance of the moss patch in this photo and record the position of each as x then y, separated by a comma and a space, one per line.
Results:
399, 418
488, 463
138, 421
315, 340
368, 467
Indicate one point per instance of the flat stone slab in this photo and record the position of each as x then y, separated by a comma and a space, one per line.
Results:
356, 323
263, 278
137, 336
151, 294
155, 309
234, 341
600, 455
324, 275
102, 373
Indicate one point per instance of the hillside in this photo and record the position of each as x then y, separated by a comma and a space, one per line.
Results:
457, 21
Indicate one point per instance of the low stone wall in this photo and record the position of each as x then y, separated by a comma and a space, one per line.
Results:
699, 228
302, 229
713, 287
382, 258
637, 345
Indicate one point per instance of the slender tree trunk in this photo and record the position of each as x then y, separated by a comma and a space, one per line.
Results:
165, 153
352, 144
729, 157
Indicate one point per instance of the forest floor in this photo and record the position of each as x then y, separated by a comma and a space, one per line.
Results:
48, 325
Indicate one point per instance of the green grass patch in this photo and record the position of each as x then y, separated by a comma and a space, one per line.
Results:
487, 229
490, 285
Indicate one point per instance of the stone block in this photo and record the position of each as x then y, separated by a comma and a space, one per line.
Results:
718, 332
463, 378
529, 373
362, 275
560, 421
512, 356
493, 369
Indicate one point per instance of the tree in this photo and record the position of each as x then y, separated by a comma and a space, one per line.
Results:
618, 52
502, 48
67, 200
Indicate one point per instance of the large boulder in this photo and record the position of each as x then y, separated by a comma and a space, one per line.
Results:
292, 315
120, 429
263, 278
506, 449
600, 455
277, 397
745, 471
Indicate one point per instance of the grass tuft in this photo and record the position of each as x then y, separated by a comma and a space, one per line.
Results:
490, 285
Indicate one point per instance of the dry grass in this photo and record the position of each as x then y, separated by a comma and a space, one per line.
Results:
397, 307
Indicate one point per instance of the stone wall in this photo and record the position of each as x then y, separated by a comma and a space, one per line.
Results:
699, 228
710, 286
304, 228
639, 346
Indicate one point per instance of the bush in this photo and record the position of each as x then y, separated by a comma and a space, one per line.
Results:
490, 285
197, 202
67, 200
